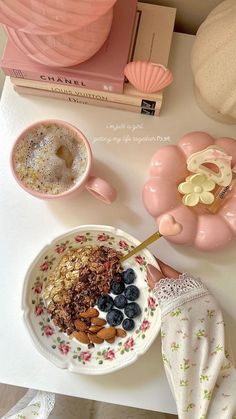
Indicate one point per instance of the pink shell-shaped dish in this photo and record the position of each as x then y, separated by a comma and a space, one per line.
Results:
168, 168
66, 49
148, 77
52, 16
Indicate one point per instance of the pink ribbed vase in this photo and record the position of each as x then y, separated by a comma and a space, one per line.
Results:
58, 33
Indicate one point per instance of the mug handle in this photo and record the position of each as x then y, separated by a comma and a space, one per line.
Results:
101, 189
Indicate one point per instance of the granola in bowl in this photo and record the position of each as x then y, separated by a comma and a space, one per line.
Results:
80, 278
98, 343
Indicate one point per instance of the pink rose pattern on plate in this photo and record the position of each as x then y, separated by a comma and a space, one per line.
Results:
123, 245
80, 238
38, 287
64, 348
60, 249
145, 325
140, 260
109, 354
85, 356
70, 348
62, 345
44, 267
47, 264
103, 237
48, 330
152, 303
38, 310
129, 343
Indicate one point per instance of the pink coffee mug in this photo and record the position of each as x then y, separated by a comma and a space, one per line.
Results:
98, 187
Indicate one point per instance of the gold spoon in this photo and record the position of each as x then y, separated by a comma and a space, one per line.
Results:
142, 246
167, 227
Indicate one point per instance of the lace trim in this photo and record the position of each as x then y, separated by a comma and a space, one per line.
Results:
48, 403
34, 401
168, 290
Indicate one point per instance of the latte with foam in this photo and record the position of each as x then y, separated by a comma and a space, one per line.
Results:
50, 159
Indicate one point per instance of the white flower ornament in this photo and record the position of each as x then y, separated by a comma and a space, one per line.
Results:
195, 189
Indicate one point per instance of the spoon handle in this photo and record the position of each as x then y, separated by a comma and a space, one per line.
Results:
142, 246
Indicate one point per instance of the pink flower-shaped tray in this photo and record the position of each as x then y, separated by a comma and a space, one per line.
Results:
168, 168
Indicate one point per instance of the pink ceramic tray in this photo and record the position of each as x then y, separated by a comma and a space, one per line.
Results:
167, 170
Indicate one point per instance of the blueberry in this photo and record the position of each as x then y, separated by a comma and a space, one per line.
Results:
117, 287
129, 276
128, 324
120, 301
105, 302
114, 317
131, 293
132, 310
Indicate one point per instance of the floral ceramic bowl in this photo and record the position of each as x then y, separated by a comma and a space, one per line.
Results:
70, 354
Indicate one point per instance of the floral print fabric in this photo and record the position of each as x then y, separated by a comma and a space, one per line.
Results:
197, 363
35, 404
198, 366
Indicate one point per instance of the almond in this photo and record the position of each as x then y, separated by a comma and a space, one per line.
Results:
95, 329
107, 333
94, 338
79, 325
81, 337
121, 333
90, 313
98, 322
111, 340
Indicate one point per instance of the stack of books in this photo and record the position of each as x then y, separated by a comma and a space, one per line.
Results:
139, 32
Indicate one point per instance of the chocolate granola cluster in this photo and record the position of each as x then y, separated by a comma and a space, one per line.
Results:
80, 278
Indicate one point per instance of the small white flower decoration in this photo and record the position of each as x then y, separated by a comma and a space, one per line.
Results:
195, 189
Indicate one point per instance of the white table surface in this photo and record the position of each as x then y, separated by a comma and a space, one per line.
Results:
27, 224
